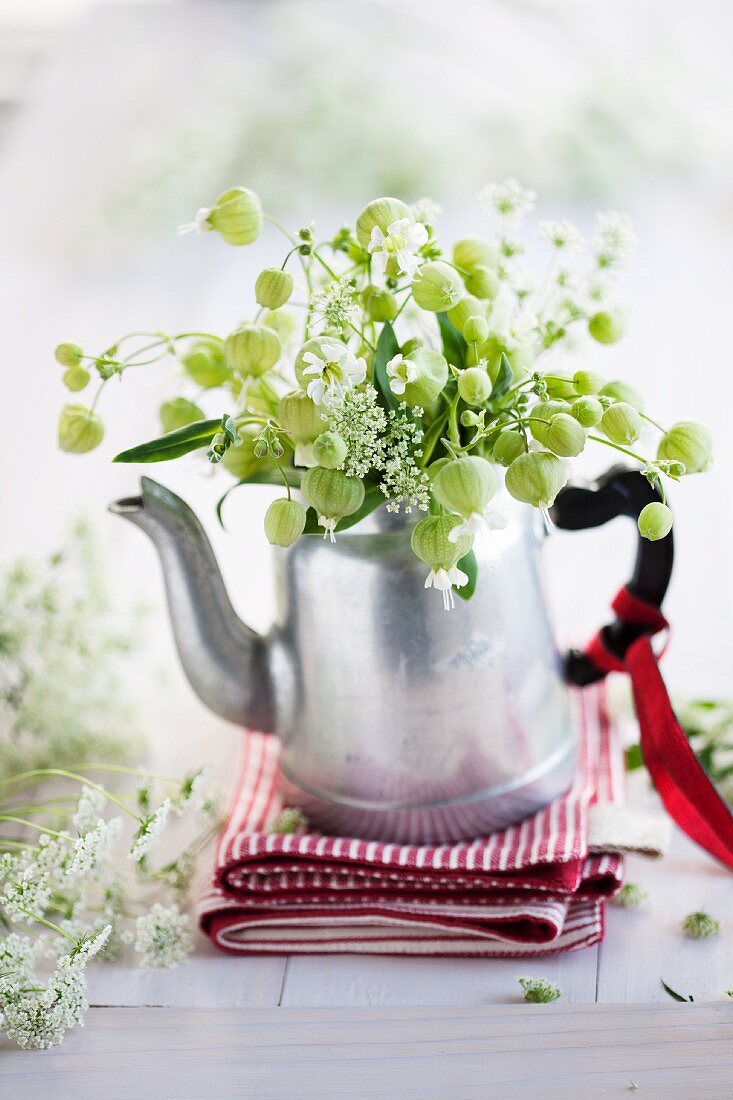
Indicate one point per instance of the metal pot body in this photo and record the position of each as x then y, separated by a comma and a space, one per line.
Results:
401, 721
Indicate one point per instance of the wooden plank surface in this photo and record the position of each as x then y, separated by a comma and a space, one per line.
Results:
518, 1051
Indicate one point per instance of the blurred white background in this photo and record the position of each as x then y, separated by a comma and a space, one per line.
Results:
118, 121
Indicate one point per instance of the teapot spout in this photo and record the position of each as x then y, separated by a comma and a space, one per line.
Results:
225, 661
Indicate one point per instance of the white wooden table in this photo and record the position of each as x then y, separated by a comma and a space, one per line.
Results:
310, 1026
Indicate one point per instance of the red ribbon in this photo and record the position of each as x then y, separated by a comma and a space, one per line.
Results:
686, 791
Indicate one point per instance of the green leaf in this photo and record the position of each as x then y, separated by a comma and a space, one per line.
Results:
387, 348
190, 438
504, 378
454, 346
469, 565
634, 758
373, 497
675, 996
267, 475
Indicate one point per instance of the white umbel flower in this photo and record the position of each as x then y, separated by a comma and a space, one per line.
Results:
333, 371
403, 241
149, 831
614, 240
508, 199
90, 806
563, 236
162, 936
400, 372
443, 580
93, 850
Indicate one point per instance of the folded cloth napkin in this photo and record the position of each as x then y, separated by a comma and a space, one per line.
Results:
531, 889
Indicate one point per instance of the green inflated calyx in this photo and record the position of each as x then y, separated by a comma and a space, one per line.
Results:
621, 423
252, 350
178, 412
241, 461
236, 216
536, 478
430, 542
437, 287
329, 450
508, 446
588, 382
80, 430
465, 485
299, 416
606, 327
541, 416
381, 213
76, 379
333, 495
476, 330
622, 391
284, 522
467, 307
474, 386
273, 287
472, 252
68, 355
204, 363
690, 443
587, 411
655, 521
482, 283
380, 304
564, 436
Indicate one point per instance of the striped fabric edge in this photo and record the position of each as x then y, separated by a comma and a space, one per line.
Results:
557, 834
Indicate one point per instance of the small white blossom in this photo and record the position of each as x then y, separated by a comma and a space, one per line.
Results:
443, 580
190, 785
18, 955
333, 308
162, 936
400, 372
90, 806
360, 421
403, 241
426, 211
477, 523
39, 1019
614, 240
87, 947
508, 199
333, 371
27, 896
563, 236
149, 831
200, 223
290, 819
93, 850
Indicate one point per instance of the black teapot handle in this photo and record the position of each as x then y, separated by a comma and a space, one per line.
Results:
620, 492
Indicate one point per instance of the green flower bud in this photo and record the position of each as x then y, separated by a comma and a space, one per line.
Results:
587, 411
273, 287
621, 423
467, 307
252, 350
381, 305
431, 374
690, 443
80, 430
437, 287
564, 436
560, 385
333, 495
509, 446
299, 416
476, 330
474, 386
536, 478
540, 416
69, 355
329, 450
587, 382
380, 212
700, 926
482, 283
241, 461
178, 412
621, 391
520, 359
540, 991
284, 522
236, 216
76, 378
655, 521
205, 364
466, 485
630, 896
431, 544
472, 252
606, 327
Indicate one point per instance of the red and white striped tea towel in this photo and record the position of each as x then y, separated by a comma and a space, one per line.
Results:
531, 889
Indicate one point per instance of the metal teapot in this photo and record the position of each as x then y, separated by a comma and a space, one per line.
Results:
398, 721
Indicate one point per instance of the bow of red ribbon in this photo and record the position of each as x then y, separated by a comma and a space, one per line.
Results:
686, 791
